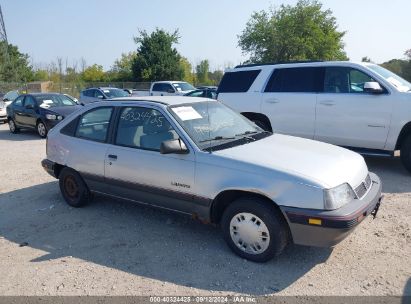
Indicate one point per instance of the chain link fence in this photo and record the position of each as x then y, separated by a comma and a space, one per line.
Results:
71, 88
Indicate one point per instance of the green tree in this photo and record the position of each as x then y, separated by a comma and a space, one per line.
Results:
202, 72
157, 59
14, 66
301, 32
187, 68
216, 77
40, 75
93, 73
122, 67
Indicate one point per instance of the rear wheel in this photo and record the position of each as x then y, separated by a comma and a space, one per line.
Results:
73, 188
406, 152
254, 230
12, 126
41, 129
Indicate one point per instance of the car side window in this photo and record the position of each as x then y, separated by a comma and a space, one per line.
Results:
143, 128
94, 124
29, 101
169, 87
98, 94
297, 80
345, 80
157, 87
19, 101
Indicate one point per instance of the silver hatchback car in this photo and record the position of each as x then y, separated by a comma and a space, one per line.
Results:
201, 158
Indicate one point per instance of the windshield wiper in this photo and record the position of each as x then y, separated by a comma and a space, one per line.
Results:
216, 138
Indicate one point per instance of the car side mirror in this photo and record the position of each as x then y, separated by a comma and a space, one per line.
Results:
29, 107
373, 87
100, 96
170, 91
173, 146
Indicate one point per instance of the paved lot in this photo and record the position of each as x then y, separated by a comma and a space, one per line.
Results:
119, 248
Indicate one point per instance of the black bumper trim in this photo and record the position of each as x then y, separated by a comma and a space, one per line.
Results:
49, 166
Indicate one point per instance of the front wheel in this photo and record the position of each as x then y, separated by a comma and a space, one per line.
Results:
41, 129
405, 153
254, 229
74, 190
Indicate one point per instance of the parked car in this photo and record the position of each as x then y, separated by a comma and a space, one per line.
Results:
207, 87
201, 158
10, 96
40, 111
207, 93
98, 94
361, 106
3, 112
166, 88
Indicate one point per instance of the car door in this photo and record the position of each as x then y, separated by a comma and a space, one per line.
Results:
29, 116
289, 100
18, 110
90, 143
349, 116
135, 168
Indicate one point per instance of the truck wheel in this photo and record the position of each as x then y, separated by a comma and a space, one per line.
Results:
406, 152
41, 129
254, 230
74, 190
12, 126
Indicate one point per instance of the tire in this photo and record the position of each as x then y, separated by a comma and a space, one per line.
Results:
405, 153
243, 216
41, 129
13, 127
261, 124
73, 188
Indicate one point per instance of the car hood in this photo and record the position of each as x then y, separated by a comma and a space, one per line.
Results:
64, 111
323, 164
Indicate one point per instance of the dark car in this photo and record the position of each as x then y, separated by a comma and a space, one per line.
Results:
206, 92
40, 111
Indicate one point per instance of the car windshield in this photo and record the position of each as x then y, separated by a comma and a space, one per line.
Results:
211, 124
401, 84
113, 93
10, 96
183, 86
49, 101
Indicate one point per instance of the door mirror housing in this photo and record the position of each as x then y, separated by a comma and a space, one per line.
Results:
173, 146
29, 106
171, 91
373, 87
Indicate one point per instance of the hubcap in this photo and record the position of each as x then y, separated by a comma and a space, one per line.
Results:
70, 186
41, 129
249, 233
12, 126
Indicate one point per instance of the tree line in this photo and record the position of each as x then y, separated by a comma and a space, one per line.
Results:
304, 31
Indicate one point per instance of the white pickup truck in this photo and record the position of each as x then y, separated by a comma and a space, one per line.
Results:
361, 106
166, 88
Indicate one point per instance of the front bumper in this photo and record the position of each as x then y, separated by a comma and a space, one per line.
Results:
324, 228
49, 167
50, 123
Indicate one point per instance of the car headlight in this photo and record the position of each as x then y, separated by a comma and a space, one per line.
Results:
337, 197
54, 117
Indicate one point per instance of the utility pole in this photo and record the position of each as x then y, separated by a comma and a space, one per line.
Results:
4, 45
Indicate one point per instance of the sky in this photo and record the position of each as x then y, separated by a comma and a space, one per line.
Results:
101, 30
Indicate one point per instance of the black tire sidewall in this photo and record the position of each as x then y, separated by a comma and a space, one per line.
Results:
16, 130
405, 153
84, 194
271, 218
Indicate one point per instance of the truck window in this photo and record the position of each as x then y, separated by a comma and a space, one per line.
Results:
298, 80
237, 82
345, 80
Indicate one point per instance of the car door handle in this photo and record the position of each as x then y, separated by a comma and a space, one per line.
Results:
272, 100
327, 103
111, 156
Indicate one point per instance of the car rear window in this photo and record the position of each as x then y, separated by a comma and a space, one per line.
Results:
301, 80
237, 82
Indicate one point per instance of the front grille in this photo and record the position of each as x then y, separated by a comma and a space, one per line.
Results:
362, 189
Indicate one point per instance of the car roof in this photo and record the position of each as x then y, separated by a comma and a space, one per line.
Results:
165, 100
295, 64
42, 94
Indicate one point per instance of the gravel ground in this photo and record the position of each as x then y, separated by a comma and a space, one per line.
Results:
113, 247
